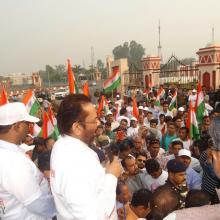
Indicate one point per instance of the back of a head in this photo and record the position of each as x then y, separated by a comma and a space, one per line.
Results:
197, 198
164, 201
152, 166
70, 111
141, 197
123, 111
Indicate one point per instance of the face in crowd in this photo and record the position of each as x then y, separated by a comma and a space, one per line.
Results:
131, 166
138, 145
171, 129
154, 148
141, 160
177, 179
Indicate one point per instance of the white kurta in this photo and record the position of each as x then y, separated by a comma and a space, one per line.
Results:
81, 188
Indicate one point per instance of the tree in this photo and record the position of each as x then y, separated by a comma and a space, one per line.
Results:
101, 68
188, 60
133, 52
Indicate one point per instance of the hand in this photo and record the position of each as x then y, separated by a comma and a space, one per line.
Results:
114, 167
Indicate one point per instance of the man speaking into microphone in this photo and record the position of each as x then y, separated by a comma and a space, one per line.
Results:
82, 188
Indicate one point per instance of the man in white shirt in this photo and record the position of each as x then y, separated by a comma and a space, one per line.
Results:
156, 176
192, 97
133, 130
24, 192
165, 110
82, 188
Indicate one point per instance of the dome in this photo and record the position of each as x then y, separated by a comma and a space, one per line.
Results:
212, 44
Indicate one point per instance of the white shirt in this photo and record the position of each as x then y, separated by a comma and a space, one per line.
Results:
192, 98
21, 184
151, 183
81, 188
168, 113
132, 131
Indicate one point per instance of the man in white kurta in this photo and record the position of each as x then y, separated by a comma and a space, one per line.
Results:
82, 189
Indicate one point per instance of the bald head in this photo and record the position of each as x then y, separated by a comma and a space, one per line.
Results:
164, 201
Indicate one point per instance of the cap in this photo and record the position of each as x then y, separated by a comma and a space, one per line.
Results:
15, 112
146, 109
109, 113
175, 166
141, 107
118, 96
26, 147
181, 109
194, 90
184, 152
133, 119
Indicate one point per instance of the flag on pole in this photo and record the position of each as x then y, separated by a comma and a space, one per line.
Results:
192, 123
86, 89
173, 101
113, 81
135, 108
49, 127
160, 94
103, 105
200, 104
4, 98
73, 88
31, 103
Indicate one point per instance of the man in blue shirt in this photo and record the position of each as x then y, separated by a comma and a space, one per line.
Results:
193, 179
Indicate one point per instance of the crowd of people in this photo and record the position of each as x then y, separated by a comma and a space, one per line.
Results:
111, 163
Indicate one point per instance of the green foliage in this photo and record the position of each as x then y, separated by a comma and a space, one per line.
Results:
133, 52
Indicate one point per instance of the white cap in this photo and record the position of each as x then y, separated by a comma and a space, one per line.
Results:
15, 112
133, 119
146, 109
194, 90
118, 96
109, 113
184, 152
181, 109
26, 147
141, 107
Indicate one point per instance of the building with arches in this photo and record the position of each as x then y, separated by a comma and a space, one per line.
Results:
208, 66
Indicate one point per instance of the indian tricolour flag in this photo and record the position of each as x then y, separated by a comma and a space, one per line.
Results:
173, 101
103, 105
73, 88
49, 127
31, 103
192, 123
200, 105
113, 82
160, 94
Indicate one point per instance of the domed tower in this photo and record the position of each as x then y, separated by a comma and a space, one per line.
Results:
208, 66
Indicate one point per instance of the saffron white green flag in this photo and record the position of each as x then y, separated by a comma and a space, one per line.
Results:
200, 105
160, 94
113, 82
31, 103
49, 128
193, 124
173, 102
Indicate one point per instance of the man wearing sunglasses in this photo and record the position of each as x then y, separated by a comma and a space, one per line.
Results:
82, 189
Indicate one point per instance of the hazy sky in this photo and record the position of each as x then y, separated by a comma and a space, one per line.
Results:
34, 33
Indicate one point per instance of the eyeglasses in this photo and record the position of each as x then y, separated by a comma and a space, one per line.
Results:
140, 160
90, 122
